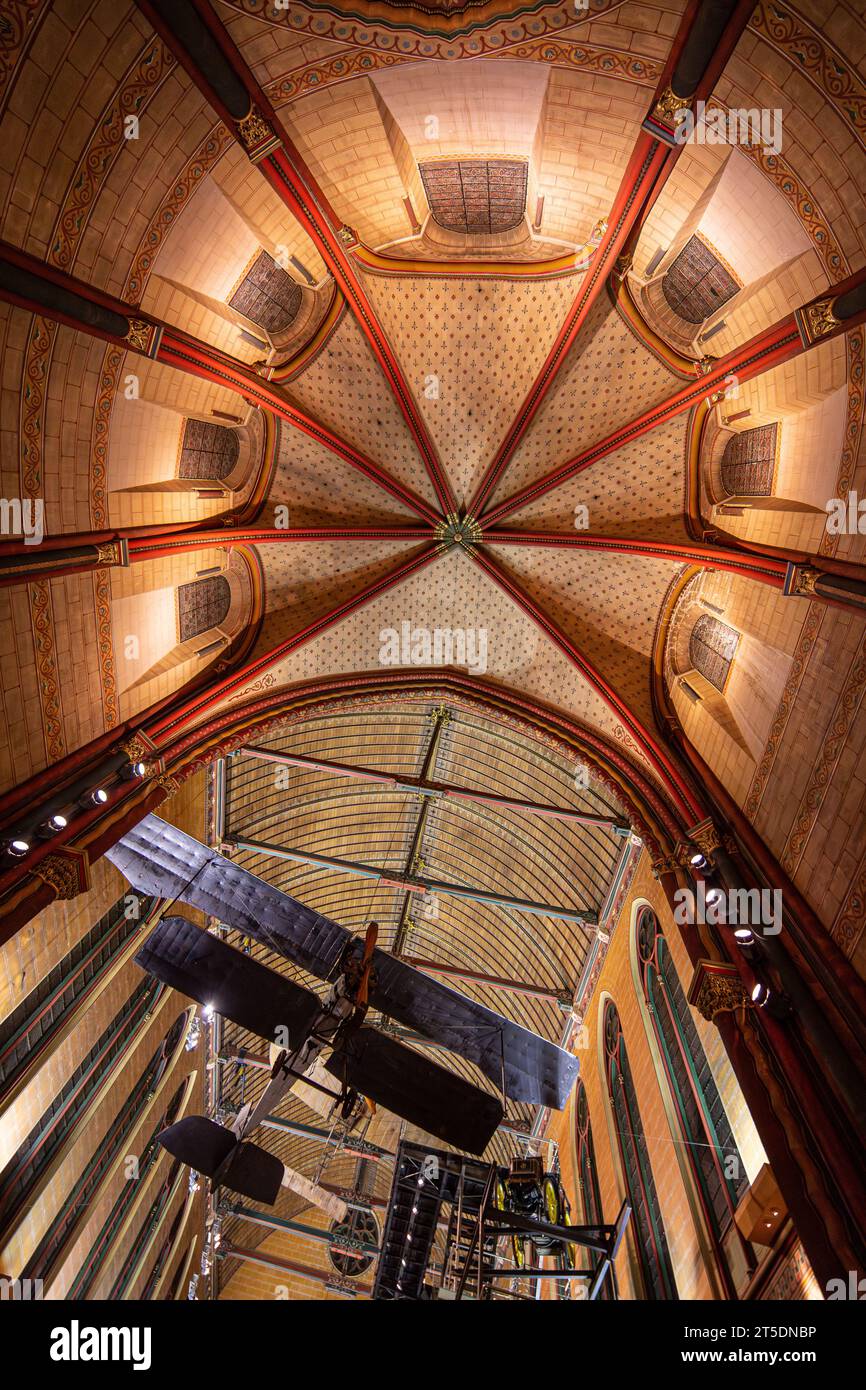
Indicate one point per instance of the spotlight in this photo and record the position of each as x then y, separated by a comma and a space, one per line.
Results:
53, 824
760, 995
746, 940
98, 797
698, 861
134, 770
207, 1011
18, 848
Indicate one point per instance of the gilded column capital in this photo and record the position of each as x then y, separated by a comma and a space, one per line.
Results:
716, 988
706, 836
65, 870
257, 135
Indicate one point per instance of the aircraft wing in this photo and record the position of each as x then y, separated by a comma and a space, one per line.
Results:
158, 858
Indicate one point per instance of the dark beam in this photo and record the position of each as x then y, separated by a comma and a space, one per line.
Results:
435, 789
396, 879
707, 36
42, 289
204, 47
828, 315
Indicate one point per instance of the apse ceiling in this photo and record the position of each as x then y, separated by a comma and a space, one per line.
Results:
464, 540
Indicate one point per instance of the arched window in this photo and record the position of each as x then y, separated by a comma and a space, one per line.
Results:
267, 295
60, 1121
202, 605
164, 1255
648, 1226
587, 1176
698, 282
748, 465
28, 1032
711, 1149
359, 1225
711, 649
118, 1132
146, 1231
478, 196
208, 451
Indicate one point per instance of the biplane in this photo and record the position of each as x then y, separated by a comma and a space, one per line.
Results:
322, 1037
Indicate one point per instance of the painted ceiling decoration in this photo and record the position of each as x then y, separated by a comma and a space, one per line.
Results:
480, 196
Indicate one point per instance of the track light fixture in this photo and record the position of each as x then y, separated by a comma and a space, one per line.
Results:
53, 825
777, 1004
137, 769
747, 942
18, 847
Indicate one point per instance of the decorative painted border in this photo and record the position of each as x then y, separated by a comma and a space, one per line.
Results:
606, 62
325, 72
851, 918
389, 33
105, 647
39, 595
802, 653
833, 744
854, 346
139, 84
37, 364
820, 63
21, 19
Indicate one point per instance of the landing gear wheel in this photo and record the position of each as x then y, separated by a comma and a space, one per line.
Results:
565, 1261
552, 1202
350, 1100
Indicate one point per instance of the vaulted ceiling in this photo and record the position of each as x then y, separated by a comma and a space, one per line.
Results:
466, 430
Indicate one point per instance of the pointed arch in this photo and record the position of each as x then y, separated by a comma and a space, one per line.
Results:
713, 1169
586, 1173
648, 1228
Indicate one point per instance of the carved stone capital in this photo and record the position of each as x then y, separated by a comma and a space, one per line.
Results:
665, 864
668, 105
138, 747
257, 135
113, 553
139, 335
817, 320
706, 836
801, 581
67, 871
717, 989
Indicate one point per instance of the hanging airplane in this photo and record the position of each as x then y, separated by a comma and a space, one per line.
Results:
161, 860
